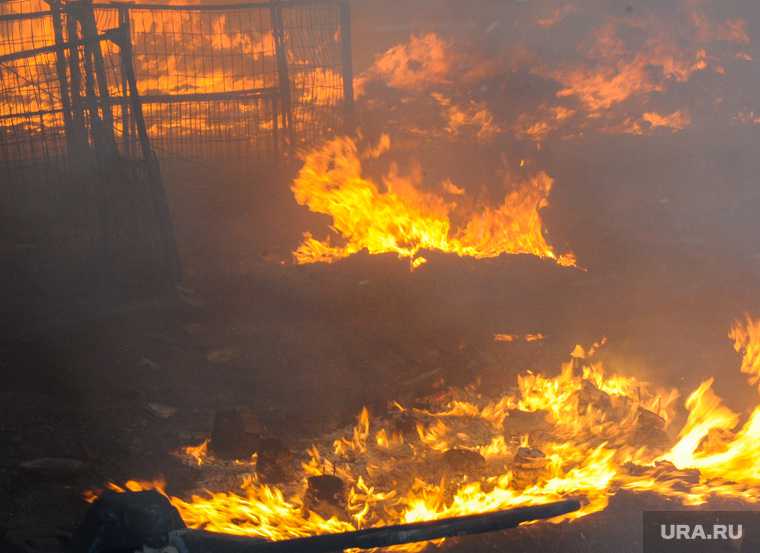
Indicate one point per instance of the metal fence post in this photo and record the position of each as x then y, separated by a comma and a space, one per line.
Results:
79, 134
60, 65
105, 143
282, 71
347, 64
158, 194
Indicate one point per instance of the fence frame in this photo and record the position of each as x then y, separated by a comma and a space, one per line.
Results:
88, 107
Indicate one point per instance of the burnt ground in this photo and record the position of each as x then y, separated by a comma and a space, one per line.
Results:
669, 267
307, 347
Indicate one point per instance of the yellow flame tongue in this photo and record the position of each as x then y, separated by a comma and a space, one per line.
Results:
582, 432
401, 218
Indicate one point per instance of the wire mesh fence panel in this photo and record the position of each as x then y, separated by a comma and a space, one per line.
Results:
206, 79
205, 76
219, 129
313, 44
181, 51
32, 135
70, 197
17, 7
31, 119
92, 95
30, 92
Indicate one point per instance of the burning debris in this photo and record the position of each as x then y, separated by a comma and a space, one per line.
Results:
530, 337
463, 461
326, 494
448, 92
533, 425
746, 337
147, 521
529, 467
274, 461
402, 218
583, 432
237, 434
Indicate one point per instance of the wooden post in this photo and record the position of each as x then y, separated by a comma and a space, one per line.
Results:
347, 64
282, 71
158, 194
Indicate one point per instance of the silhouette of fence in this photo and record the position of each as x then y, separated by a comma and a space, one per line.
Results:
247, 80
93, 96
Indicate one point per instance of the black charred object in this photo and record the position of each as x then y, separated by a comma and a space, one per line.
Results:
124, 522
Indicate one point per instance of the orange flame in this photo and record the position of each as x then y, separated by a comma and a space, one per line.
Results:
530, 337
402, 218
589, 433
198, 453
746, 339
422, 61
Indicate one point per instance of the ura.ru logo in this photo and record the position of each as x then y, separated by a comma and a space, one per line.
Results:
701, 532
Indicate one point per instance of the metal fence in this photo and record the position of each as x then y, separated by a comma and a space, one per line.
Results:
93, 96
247, 81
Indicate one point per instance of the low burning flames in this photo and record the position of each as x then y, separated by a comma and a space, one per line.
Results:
585, 432
400, 217
530, 337
625, 78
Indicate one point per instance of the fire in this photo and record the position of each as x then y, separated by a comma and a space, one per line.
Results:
475, 115
556, 16
234, 49
537, 126
584, 432
600, 89
422, 61
402, 218
198, 452
746, 337
675, 122
530, 337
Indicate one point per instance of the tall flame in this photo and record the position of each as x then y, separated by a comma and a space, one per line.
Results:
400, 217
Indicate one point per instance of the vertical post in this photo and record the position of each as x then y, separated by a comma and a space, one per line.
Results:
347, 63
60, 65
96, 72
158, 194
135, 104
103, 157
79, 136
275, 125
91, 35
125, 120
282, 70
